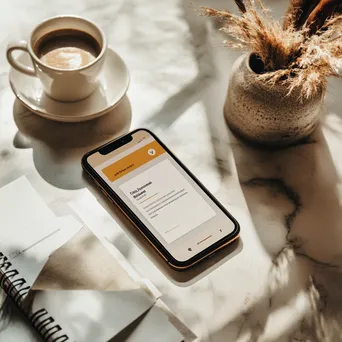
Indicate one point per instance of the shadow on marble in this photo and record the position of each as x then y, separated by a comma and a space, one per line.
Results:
182, 279
180, 102
293, 197
58, 147
296, 188
254, 321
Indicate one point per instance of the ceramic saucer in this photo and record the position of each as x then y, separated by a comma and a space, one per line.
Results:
113, 84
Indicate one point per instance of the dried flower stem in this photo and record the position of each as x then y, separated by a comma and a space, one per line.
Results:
241, 6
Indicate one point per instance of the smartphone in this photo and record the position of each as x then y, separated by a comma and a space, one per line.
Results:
177, 215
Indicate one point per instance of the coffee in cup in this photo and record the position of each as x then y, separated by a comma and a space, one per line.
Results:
67, 49
67, 53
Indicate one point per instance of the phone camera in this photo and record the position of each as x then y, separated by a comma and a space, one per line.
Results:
190, 249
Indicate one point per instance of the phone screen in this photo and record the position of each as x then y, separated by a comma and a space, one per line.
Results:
162, 195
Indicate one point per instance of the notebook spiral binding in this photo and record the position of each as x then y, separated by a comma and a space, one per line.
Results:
14, 287
10, 281
42, 323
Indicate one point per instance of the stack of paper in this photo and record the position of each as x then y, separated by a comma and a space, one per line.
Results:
29, 233
87, 286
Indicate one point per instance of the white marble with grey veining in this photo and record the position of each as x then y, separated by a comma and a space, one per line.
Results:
283, 281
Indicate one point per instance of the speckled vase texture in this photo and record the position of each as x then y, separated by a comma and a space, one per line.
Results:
266, 115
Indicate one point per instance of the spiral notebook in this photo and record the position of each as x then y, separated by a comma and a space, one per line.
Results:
75, 315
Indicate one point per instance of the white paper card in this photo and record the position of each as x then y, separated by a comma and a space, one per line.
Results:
25, 217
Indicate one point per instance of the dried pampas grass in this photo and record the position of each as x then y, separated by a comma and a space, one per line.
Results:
291, 56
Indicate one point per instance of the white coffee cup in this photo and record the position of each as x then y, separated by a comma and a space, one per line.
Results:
61, 84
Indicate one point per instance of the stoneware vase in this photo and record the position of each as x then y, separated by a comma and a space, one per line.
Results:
268, 115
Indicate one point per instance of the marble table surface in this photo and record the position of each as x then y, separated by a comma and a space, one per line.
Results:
283, 280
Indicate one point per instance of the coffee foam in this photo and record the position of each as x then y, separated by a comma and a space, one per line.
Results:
67, 58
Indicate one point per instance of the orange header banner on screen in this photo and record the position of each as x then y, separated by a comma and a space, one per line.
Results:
134, 160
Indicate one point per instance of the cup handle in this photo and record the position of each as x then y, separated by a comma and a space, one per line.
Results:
20, 45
